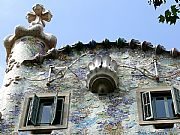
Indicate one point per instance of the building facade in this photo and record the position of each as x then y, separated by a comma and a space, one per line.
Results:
113, 88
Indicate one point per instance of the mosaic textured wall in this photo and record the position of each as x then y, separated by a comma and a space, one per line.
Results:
27, 47
112, 114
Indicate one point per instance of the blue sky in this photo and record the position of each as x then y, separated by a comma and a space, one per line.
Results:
80, 20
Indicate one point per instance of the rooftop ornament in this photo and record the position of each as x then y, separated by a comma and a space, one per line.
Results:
39, 15
37, 19
102, 77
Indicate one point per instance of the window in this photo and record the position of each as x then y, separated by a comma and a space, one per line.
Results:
45, 112
158, 106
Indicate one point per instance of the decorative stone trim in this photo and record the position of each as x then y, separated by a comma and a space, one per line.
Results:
121, 43
39, 15
106, 44
102, 77
35, 31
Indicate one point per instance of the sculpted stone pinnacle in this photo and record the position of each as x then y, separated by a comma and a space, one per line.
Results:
34, 33
39, 15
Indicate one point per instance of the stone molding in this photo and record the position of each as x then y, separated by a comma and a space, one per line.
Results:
35, 31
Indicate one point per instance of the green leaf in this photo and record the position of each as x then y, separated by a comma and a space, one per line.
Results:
173, 19
174, 10
168, 19
167, 13
161, 18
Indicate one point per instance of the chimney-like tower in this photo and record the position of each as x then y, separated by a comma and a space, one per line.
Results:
24, 44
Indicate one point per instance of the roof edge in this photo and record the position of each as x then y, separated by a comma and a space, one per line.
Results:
106, 44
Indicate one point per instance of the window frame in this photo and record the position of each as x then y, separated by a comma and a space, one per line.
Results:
140, 106
23, 119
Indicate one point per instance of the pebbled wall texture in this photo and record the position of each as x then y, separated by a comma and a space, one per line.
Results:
89, 113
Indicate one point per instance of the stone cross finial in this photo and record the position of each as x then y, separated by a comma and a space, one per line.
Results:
39, 15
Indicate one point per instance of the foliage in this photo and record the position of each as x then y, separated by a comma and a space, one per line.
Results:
171, 15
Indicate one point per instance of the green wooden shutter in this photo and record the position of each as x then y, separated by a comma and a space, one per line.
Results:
147, 106
61, 111
58, 110
176, 100
33, 111
29, 113
54, 106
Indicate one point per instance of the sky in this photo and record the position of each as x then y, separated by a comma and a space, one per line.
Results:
84, 20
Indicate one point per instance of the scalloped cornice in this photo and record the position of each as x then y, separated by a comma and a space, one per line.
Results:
106, 44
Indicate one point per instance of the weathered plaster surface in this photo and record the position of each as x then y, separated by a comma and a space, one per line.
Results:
92, 114
26, 48
35, 31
